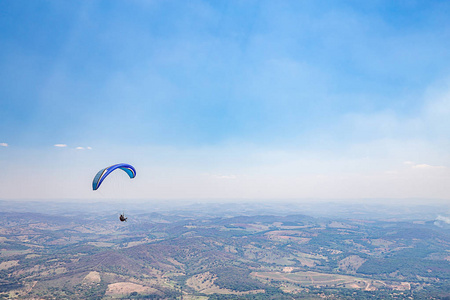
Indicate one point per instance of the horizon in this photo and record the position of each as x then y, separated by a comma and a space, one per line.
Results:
369, 210
311, 201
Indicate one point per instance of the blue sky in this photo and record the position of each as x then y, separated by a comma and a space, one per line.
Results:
226, 99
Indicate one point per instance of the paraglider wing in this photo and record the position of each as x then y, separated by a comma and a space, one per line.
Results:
103, 173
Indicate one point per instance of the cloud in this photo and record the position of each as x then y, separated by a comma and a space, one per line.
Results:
443, 219
3, 145
60, 145
427, 167
79, 148
89, 148
414, 165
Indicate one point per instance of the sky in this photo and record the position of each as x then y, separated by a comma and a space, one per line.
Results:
225, 99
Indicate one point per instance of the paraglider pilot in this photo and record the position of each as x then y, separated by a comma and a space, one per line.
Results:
122, 218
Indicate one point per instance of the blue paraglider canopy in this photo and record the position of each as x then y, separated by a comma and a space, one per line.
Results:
103, 173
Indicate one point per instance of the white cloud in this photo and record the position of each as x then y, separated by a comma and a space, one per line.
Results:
3, 145
60, 145
443, 219
79, 148
89, 148
427, 167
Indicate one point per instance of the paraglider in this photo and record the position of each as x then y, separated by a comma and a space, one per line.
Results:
103, 173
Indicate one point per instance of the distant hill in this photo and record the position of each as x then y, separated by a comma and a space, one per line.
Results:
163, 256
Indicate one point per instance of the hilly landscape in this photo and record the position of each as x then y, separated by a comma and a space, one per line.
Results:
221, 251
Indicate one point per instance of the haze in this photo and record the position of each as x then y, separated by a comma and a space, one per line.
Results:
216, 100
